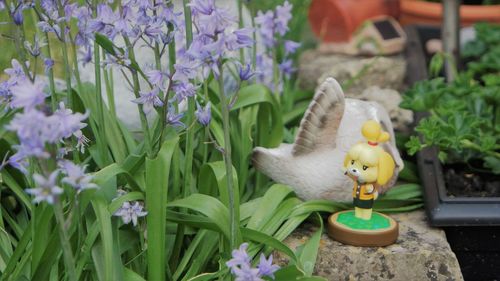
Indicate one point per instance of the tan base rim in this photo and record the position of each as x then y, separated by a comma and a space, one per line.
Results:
363, 238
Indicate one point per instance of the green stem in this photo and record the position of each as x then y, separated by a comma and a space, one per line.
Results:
471, 145
69, 260
109, 91
276, 74
52, 85
254, 34
233, 219
188, 162
240, 25
100, 105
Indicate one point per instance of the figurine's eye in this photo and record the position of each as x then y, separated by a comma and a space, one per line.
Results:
352, 162
365, 167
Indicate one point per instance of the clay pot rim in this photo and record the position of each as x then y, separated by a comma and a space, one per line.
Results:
467, 12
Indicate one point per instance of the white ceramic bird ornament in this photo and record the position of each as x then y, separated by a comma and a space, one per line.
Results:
313, 164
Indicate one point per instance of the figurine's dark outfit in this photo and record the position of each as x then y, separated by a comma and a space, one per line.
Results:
361, 197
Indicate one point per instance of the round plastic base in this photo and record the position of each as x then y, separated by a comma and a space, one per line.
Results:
380, 230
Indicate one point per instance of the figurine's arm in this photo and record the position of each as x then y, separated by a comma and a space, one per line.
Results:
369, 188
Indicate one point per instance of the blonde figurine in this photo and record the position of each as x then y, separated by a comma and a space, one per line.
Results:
370, 167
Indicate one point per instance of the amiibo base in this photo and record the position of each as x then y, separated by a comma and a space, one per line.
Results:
380, 230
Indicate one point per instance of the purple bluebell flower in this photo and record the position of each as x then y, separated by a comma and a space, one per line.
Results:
239, 257
245, 72
287, 67
81, 141
19, 161
246, 273
266, 266
118, 60
185, 69
153, 30
203, 115
5, 93
34, 49
46, 188
47, 27
265, 21
2, 5
241, 268
265, 70
16, 72
27, 95
64, 123
240, 38
130, 213
205, 7
86, 56
183, 90
158, 78
48, 63
149, 99
31, 129
173, 118
75, 176
291, 47
17, 16
283, 16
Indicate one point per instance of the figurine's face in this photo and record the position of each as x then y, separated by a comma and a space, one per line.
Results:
362, 172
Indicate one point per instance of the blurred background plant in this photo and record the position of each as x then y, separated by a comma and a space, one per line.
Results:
85, 197
464, 113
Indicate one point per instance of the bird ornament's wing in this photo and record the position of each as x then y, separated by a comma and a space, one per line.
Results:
319, 126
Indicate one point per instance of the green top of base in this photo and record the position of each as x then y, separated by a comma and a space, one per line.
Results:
376, 222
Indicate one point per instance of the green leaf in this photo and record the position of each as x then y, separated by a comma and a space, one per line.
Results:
270, 123
289, 273
157, 176
268, 204
208, 206
262, 238
309, 251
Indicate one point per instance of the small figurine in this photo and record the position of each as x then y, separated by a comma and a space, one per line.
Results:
331, 125
369, 166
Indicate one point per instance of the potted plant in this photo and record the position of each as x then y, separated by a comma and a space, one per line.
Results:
458, 147
430, 11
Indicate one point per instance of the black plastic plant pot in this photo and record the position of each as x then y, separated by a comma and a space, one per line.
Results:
443, 210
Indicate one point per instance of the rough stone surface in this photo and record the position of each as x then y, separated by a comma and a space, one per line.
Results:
420, 253
390, 100
385, 72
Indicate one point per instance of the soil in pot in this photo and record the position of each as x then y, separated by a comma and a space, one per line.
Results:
463, 182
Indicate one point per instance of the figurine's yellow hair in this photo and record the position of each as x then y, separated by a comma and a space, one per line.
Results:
370, 154
373, 133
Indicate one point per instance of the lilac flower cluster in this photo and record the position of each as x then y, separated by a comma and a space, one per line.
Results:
243, 271
273, 25
36, 128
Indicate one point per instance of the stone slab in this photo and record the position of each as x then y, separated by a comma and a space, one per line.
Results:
420, 253
384, 71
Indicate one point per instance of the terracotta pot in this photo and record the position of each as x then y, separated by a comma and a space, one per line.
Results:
422, 12
336, 20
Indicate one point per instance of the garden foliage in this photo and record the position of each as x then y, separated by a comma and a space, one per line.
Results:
86, 198
464, 113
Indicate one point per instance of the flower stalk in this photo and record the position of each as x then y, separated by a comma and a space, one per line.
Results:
69, 259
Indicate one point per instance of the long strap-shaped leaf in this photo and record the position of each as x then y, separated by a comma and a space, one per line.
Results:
157, 174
